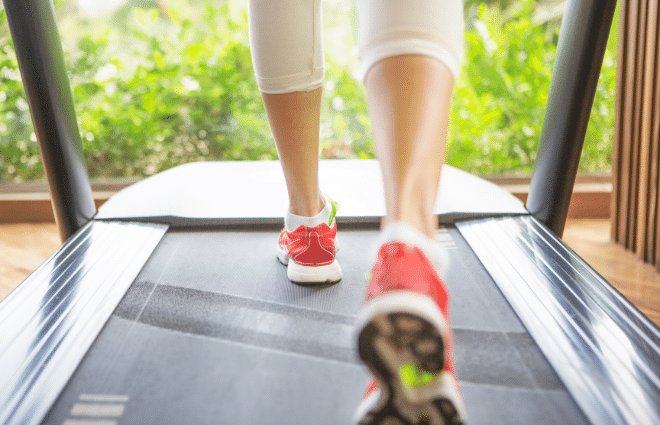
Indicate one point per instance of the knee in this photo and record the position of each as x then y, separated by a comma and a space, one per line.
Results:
424, 27
286, 45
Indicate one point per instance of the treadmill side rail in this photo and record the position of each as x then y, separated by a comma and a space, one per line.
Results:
604, 350
52, 318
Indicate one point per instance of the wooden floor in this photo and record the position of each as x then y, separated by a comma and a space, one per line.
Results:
636, 280
23, 247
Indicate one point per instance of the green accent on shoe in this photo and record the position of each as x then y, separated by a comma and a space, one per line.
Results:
423, 416
335, 207
411, 376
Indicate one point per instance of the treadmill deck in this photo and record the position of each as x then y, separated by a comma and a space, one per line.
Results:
232, 341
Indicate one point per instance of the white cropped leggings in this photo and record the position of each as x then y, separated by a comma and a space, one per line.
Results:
287, 47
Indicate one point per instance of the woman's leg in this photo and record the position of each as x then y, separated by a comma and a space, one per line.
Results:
411, 53
294, 120
287, 52
409, 98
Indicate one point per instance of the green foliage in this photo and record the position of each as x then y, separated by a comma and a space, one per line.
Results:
500, 97
19, 158
181, 91
345, 126
156, 87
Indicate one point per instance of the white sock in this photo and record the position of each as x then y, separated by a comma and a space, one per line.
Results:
402, 232
292, 221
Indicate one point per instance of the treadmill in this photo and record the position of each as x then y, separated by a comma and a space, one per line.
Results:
168, 305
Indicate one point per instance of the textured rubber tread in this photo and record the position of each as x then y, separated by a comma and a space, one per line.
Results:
392, 339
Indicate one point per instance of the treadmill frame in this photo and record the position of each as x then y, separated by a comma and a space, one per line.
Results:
583, 39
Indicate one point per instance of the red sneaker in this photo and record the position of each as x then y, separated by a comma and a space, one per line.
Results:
405, 339
309, 254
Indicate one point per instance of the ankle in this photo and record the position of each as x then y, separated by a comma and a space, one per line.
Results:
428, 226
402, 232
325, 214
306, 206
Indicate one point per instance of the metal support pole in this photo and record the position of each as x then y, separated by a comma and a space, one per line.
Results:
582, 42
40, 59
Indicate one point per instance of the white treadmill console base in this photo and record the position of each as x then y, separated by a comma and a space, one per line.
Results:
216, 193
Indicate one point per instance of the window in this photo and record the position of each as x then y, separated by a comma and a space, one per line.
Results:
161, 83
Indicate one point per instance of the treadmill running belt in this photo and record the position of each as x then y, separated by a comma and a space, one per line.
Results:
232, 341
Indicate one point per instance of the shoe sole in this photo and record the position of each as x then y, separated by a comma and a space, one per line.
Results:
309, 275
401, 342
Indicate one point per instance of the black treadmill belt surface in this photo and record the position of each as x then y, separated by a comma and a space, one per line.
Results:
212, 332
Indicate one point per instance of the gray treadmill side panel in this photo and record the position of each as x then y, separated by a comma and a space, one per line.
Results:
52, 318
605, 351
254, 192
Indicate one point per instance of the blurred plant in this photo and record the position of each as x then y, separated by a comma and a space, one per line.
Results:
500, 97
19, 153
172, 82
183, 91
